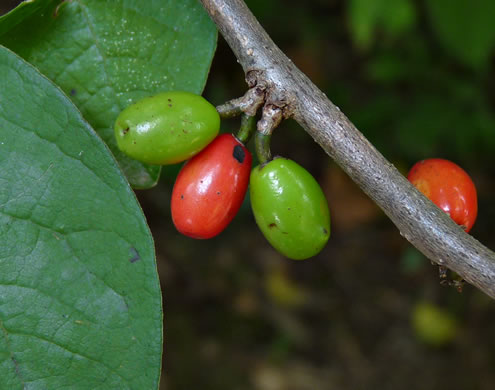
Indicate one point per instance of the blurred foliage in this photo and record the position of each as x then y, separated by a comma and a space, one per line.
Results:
433, 325
429, 77
282, 290
392, 17
465, 29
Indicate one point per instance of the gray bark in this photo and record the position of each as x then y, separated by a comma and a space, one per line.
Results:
422, 223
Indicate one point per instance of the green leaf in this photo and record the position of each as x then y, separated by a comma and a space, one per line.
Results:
106, 54
21, 12
80, 301
465, 28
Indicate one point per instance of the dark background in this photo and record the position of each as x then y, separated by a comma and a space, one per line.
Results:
368, 312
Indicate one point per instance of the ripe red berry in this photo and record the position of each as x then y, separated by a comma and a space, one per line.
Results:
449, 187
210, 188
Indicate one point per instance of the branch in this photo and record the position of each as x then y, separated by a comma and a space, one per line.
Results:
422, 223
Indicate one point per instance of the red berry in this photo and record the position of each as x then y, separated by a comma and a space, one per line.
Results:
210, 188
449, 187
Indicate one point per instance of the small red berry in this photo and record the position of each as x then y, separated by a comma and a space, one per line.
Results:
210, 188
449, 187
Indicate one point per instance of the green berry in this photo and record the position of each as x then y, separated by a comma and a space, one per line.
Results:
290, 208
166, 128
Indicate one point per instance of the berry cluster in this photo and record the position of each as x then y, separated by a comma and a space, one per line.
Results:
288, 204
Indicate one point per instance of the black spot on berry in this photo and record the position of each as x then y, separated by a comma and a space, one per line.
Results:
73, 92
239, 154
325, 231
182, 196
125, 131
218, 192
272, 225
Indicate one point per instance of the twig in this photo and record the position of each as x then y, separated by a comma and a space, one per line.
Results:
422, 223
249, 104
